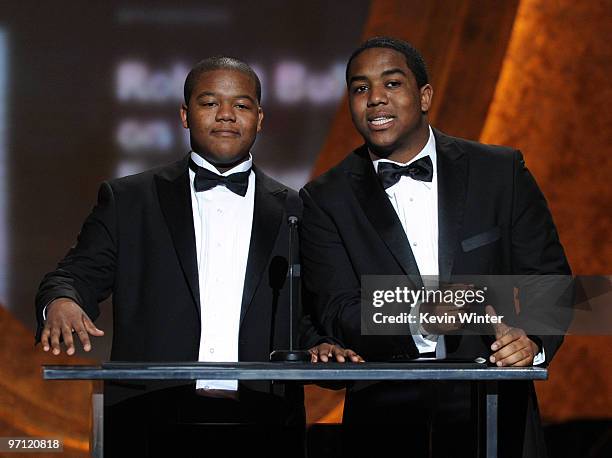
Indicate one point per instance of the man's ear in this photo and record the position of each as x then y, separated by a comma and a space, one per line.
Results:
260, 115
426, 97
183, 112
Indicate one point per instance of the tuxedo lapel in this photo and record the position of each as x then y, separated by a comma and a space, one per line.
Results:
175, 201
379, 211
267, 218
452, 172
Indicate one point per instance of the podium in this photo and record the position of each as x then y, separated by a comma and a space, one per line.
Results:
485, 378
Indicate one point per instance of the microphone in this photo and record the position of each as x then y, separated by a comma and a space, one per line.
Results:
293, 207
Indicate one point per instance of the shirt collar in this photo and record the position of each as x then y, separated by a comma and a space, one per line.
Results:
242, 167
428, 150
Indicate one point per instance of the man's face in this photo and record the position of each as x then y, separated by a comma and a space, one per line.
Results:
386, 104
223, 116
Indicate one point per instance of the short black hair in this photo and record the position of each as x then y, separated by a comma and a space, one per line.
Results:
219, 63
414, 60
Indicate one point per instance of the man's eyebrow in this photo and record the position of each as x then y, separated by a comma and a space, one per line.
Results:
205, 94
388, 72
245, 96
393, 70
357, 78
213, 94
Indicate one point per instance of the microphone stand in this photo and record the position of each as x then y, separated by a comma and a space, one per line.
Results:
291, 355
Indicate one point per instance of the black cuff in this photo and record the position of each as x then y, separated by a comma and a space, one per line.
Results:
537, 341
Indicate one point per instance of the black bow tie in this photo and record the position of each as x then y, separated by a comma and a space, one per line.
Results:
205, 179
420, 170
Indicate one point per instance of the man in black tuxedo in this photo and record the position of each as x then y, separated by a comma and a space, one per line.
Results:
194, 254
458, 208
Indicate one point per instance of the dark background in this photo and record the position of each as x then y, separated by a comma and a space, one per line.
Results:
93, 91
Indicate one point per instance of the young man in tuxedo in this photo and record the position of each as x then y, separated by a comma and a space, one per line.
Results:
404, 204
193, 254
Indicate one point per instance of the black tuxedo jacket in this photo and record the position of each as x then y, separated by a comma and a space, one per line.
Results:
138, 244
492, 218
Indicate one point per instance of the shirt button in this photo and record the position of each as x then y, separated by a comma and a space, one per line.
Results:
414, 244
411, 199
212, 350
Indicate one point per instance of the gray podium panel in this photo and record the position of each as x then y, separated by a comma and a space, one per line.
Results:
292, 371
485, 377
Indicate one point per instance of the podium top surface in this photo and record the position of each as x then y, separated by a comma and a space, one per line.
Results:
421, 370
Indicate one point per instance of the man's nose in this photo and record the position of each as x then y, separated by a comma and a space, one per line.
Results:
377, 96
225, 112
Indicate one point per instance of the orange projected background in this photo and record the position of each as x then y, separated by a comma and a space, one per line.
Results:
532, 74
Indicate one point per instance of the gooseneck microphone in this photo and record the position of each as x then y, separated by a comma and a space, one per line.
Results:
293, 209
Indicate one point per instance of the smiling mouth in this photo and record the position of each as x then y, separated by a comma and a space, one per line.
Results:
380, 121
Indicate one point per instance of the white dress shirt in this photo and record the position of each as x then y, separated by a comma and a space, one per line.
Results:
416, 205
222, 222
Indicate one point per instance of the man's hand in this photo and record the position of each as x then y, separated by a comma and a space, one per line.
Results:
323, 352
512, 347
63, 317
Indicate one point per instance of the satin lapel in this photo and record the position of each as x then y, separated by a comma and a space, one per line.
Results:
175, 202
267, 218
452, 191
379, 210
